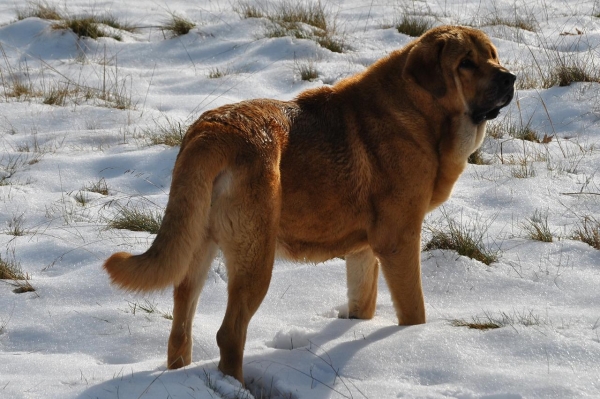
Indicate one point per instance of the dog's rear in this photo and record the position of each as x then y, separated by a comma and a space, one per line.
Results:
225, 190
184, 226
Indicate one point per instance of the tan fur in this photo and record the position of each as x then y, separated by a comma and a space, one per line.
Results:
348, 170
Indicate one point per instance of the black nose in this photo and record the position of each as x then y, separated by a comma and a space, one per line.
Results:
506, 79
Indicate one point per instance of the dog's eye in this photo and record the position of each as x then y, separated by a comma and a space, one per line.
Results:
467, 64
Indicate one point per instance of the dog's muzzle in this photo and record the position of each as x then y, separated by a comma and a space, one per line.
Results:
503, 90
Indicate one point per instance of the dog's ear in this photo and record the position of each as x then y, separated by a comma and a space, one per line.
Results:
424, 66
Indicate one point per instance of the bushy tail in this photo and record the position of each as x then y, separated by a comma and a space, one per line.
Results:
183, 229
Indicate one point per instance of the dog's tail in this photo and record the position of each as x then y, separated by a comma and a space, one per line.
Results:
184, 227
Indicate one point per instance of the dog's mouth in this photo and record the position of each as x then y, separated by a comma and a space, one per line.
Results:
487, 114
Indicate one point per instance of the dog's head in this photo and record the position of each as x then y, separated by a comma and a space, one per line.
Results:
459, 66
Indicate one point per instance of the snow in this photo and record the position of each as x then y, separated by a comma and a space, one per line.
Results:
78, 337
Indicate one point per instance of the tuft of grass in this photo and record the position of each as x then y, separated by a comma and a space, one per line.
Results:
476, 158
15, 226
39, 9
307, 71
169, 133
16, 86
536, 227
81, 26
246, 9
302, 20
57, 95
465, 239
521, 131
90, 26
331, 43
115, 23
310, 13
587, 231
564, 75
522, 168
564, 70
491, 321
11, 270
136, 219
524, 133
178, 25
216, 73
476, 324
413, 25
81, 198
99, 187
527, 23
114, 89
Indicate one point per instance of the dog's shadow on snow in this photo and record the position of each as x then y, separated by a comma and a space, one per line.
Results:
273, 374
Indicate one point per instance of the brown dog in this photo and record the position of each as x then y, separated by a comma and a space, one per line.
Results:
348, 170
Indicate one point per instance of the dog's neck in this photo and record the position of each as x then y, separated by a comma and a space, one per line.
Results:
456, 146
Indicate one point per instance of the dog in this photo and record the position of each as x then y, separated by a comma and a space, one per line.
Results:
348, 170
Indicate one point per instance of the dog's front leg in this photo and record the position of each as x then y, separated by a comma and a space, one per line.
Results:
399, 252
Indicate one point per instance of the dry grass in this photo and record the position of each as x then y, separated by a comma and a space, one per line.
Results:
39, 9
20, 83
587, 231
536, 227
491, 321
466, 239
10, 270
302, 20
527, 23
16, 226
168, 132
522, 167
413, 25
100, 187
178, 25
476, 158
136, 219
307, 71
148, 307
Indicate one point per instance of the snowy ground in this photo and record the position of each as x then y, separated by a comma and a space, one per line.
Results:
77, 337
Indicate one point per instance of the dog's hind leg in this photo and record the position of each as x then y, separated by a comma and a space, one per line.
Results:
362, 270
185, 298
247, 239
